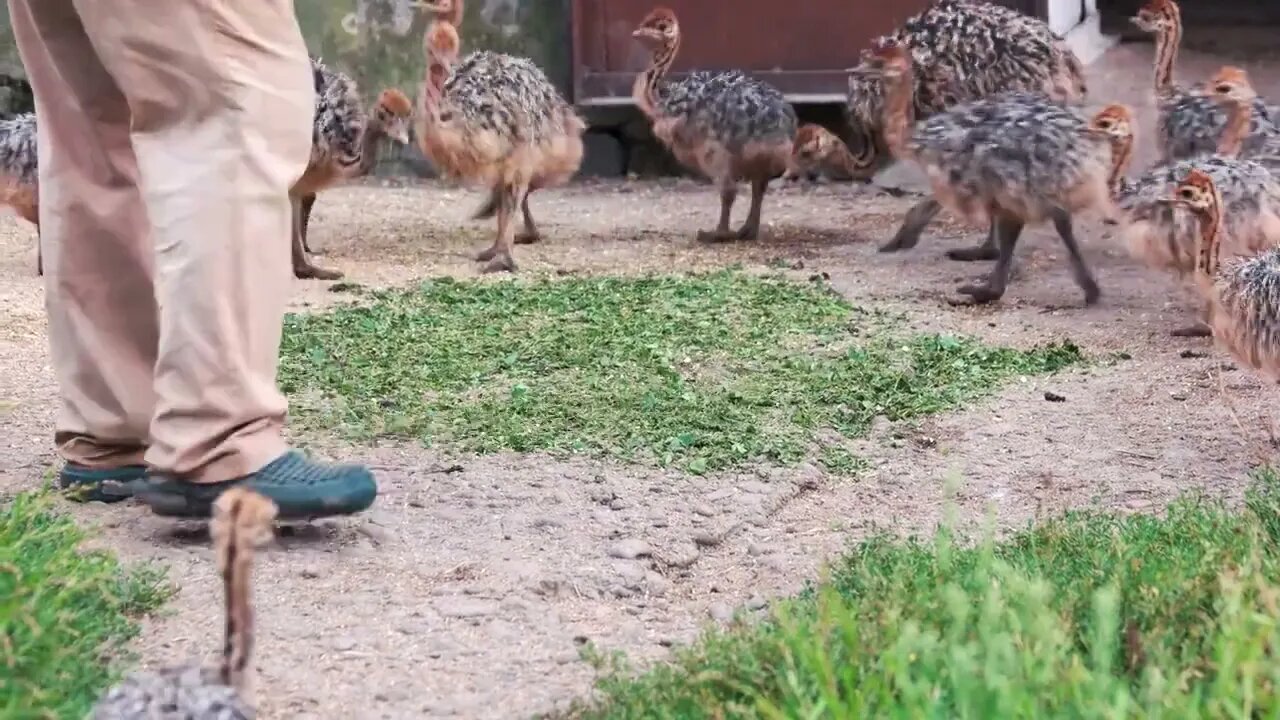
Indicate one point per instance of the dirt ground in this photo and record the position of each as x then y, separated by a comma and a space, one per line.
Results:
468, 591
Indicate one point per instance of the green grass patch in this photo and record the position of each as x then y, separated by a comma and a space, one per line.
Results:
704, 371
1089, 616
65, 613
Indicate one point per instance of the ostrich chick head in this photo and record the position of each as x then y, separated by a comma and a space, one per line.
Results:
1230, 86
1115, 122
441, 43
658, 28
450, 10
887, 59
1196, 193
1157, 16
813, 143
394, 113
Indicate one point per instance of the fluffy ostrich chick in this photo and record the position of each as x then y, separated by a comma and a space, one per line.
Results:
496, 120
1016, 160
725, 125
1164, 236
345, 142
1244, 297
242, 523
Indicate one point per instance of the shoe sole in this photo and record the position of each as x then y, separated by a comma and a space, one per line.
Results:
175, 505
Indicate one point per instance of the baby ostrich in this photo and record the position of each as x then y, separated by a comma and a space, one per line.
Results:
963, 50
1190, 121
728, 126
1245, 297
19, 188
345, 141
495, 120
242, 523
816, 147
1164, 236
1016, 160
451, 11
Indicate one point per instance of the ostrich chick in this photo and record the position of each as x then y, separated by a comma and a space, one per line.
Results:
345, 141
817, 148
495, 120
19, 185
242, 523
1016, 160
1189, 121
1244, 298
1164, 236
726, 125
451, 12
962, 51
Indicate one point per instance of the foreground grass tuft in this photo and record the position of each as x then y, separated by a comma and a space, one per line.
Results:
704, 371
65, 613
1092, 615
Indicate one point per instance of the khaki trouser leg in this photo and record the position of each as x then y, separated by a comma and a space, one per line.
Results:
95, 242
221, 102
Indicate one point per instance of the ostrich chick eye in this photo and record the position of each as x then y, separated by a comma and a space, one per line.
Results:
1224, 89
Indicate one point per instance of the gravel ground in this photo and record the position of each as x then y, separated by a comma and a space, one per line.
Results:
470, 589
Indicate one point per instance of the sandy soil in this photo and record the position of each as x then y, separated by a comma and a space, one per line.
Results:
470, 588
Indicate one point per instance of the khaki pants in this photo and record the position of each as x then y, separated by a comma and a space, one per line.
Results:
170, 132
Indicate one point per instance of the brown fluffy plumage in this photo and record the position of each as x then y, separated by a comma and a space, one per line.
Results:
495, 120
242, 523
1016, 159
725, 125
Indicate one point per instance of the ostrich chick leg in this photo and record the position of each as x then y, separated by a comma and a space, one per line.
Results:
1008, 229
919, 217
728, 193
530, 234
302, 267
307, 202
913, 225
499, 255
1079, 270
986, 251
750, 229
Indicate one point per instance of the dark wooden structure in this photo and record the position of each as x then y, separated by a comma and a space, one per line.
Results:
1115, 14
803, 48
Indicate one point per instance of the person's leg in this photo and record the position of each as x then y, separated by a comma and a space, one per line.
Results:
96, 250
221, 100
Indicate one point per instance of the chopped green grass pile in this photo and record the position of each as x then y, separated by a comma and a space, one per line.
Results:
1089, 616
703, 372
65, 613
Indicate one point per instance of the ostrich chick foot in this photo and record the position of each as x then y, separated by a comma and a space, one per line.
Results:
974, 254
716, 236
981, 294
526, 237
1192, 331
311, 272
501, 262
